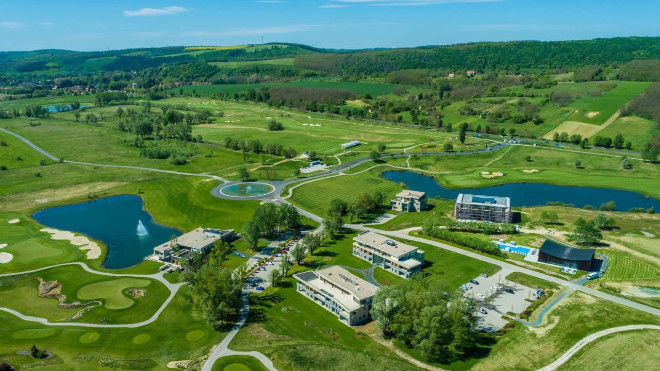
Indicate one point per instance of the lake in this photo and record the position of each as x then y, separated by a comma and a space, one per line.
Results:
529, 194
129, 232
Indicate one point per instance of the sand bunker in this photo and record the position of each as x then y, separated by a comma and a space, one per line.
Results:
487, 175
14, 221
530, 171
593, 114
5, 257
83, 242
3, 245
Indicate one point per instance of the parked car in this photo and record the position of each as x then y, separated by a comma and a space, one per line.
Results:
262, 268
484, 275
593, 275
510, 291
474, 282
481, 296
260, 288
482, 310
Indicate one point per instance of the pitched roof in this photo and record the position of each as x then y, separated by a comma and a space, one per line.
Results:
566, 252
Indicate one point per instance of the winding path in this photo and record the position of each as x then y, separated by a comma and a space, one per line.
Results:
172, 287
591, 338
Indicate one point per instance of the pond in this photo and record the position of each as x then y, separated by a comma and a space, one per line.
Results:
529, 194
62, 108
129, 232
247, 189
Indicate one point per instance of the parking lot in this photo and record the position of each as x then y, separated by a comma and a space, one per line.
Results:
260, 278
497, 296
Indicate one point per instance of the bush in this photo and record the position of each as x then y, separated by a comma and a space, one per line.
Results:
275, 126
468, 241
3, 167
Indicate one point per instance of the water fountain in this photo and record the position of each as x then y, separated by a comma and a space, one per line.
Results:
141, 230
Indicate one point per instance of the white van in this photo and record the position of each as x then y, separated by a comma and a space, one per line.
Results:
593, 275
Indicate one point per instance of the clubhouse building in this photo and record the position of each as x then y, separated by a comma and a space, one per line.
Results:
396, 257
566, 256
409, 201
337, 290
197, 241
483, 208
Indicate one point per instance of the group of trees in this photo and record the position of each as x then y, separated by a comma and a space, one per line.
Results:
426, 315
481, 227
618, 142
365, 203
269, 220
588, 232
430, 229
257, 147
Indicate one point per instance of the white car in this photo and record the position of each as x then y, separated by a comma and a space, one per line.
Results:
481, 296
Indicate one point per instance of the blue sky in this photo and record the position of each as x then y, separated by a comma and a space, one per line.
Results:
101, 25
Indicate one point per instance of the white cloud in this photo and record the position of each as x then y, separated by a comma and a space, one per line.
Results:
7, 24
154, 11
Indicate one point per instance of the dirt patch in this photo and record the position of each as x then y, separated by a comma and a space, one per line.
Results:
179, 364
487, 175
53, 289
83, 243
14, 221
259, 332
137, 293
41, 200
593, 114
530, 171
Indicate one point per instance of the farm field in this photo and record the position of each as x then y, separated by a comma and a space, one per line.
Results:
354, 87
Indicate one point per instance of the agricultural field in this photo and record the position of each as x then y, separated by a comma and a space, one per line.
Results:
354, 87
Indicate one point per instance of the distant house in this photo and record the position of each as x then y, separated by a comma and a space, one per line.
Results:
339, 291
399, 258
315, 162
452, 75
566, 256
409, 201
351, 144
483, 208
197, 241
470, 73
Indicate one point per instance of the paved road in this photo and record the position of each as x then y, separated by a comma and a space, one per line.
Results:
593, 337
570, 285
173, 287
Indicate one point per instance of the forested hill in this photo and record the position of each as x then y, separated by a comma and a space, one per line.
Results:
510, 56
309, 61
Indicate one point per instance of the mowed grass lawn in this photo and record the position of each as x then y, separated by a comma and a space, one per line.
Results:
315, 196
355, 87
20, 293
626, 267
177, 334
238, 363
14, 153
437, 208
299, 334
578, 316
634, 350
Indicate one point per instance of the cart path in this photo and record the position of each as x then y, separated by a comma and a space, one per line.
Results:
51, 157
172, 287
591, 338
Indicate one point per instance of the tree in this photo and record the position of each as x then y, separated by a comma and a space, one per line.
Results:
275, 126
385, 305
650, 153
586, 232
296, 172
219, 252
608, 206
374, 155
381, 147
618, 141
76, 115
447, 147
584, 143
311, 242
144, 128
285, 266
250, 234
578, 164
461, 136
337, 206
274, 277
214, 292
549, 217
195, 262
555, 136
243, 173
298, 253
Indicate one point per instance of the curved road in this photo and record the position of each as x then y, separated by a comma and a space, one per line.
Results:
172, 287
593, 337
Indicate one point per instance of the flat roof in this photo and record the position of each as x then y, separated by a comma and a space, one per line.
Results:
382, 243
339, 284
409, 193
566, 252
483, 200
162, 247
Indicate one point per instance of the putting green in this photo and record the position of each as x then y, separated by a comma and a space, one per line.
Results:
236, 367
238, 363
195, 335
141, 339
89, 337
112, 292
36, 333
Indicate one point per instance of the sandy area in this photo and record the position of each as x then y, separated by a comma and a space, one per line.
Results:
530, 171
5, 257
492, 175
311, 169
593, 114
3, 245
83, 243
14, 221
41, 200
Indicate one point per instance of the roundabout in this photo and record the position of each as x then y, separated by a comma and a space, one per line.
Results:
247, 189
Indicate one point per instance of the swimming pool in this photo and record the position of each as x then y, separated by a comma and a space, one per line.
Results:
514, 249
